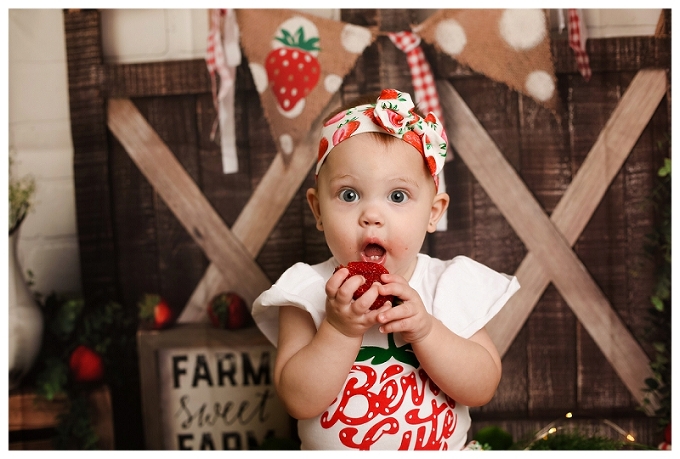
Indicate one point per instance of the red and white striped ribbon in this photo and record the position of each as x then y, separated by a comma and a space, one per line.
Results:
424, 88
577, 42
222, 57
214, 58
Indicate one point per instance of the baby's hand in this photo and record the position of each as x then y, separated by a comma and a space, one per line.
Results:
350, 317
410, 318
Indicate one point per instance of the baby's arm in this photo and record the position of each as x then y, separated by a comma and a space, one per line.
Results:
468, 370
311, 366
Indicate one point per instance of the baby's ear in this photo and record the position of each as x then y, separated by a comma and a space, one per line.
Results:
439, 205
313, 201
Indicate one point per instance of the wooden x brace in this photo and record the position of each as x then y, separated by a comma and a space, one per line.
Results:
231, 252
549, 240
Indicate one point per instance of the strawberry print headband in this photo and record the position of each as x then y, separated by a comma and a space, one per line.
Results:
393, 114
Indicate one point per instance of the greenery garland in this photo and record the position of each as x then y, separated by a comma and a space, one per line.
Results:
659, 331
69, 323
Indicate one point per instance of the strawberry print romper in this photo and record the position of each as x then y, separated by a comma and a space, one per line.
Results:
388, 402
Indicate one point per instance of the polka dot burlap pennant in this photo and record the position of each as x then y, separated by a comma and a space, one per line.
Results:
510, 46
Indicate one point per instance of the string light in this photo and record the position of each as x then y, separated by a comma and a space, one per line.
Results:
551, 428
625, 434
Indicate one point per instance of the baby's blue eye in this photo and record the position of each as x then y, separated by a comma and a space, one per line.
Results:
398, 196
349, 195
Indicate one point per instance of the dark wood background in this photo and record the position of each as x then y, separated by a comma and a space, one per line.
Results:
131, 243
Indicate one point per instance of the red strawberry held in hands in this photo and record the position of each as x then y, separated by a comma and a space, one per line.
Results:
371, 272
228, 310
292, 67
86, 365
154, 310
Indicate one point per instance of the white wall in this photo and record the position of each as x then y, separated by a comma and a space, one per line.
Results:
39, 128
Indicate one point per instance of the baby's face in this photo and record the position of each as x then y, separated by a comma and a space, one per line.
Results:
374, 202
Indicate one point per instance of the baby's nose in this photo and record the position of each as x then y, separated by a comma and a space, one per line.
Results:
371, 217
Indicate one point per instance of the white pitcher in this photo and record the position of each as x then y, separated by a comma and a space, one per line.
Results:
25, 320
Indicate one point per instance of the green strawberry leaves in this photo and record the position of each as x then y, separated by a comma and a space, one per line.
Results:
378, 355
298, 40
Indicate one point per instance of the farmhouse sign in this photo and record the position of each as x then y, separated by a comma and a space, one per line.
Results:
209, 389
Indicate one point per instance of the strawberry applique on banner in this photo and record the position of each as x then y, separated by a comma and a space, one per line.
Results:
298, 61
292, 67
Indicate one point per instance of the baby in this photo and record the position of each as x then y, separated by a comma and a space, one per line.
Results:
401, 376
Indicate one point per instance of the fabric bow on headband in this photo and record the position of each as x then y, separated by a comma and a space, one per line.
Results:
393, 114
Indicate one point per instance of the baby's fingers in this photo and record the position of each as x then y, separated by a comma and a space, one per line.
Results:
341, 287
402, 311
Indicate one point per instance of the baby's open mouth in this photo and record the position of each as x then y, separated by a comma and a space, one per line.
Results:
373, 252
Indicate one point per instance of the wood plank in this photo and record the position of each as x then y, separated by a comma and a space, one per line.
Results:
174, 120
157, 78
551, 357
498, 115
135, 237
282, 247
642, 181
512, 395
622, 54
582, 196
601, 244
90, 154
540, 235
227, 193
476, 226
185, 199
261, 213
550, 329
29, 411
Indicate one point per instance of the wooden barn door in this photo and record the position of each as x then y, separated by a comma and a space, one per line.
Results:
559, 200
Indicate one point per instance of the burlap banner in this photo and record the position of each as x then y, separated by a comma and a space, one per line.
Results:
298, 61
509, 46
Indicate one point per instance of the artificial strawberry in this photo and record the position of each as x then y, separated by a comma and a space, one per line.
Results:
86, 365
154, 311
293, 69
228, 310
371, 272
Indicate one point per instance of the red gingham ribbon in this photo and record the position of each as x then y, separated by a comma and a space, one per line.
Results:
215, 58
424, 86
577, 42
